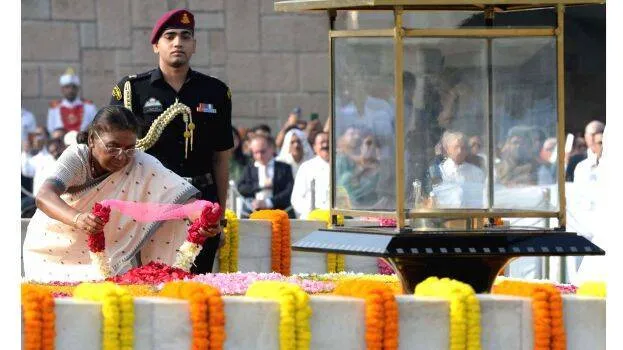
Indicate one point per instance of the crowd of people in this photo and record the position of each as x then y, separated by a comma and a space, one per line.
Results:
446, 161
290, 170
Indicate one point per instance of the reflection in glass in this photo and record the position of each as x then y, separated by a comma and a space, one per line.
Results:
525, 117
445, 91
364, 123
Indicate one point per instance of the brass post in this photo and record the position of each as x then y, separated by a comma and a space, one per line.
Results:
560, 65
400, 136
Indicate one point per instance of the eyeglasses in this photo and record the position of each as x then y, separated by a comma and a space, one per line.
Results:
116, 151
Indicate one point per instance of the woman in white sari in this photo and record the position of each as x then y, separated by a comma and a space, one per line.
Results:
107, 167
295, 150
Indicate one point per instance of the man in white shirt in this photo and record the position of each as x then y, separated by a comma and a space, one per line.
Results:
464, 180
586, 171
29, 125
313, 177
70, 113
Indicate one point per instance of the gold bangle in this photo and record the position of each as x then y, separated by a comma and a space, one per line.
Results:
75, 219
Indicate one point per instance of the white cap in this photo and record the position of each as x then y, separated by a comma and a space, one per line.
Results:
69, 78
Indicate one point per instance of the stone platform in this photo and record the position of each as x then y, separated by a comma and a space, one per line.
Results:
336, 323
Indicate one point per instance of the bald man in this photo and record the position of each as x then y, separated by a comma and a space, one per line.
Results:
593, 128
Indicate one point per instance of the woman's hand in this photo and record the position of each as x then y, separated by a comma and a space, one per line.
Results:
212, 230
89, 223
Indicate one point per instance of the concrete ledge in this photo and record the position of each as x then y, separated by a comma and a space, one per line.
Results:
336, 323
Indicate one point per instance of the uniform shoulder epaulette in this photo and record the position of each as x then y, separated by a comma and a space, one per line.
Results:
139, 76
54, 103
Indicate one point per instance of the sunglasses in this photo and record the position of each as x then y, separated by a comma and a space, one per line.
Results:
116, 151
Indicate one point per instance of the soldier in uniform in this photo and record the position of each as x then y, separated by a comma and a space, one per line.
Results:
193, 112
70, 113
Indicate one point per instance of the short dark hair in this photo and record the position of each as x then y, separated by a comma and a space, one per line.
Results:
269, 140
58, 142
317, 134
112, 118
262, 127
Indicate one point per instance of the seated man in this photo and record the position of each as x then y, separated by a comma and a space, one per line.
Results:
518, 166
313, 174
267, 183
464, 182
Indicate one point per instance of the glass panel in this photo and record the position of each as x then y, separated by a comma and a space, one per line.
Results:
543, 18
364, 111
347, 20
525, 123
445, 89
442, 19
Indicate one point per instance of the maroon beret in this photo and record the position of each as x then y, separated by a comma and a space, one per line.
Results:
179, 18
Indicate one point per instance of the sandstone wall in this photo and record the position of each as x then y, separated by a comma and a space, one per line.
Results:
271, 61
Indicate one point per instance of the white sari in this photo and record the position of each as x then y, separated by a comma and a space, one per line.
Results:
54, 251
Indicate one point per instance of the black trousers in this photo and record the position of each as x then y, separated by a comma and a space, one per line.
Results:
205, 260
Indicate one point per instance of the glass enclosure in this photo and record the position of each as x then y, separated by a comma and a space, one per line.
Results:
477, 111
364, 130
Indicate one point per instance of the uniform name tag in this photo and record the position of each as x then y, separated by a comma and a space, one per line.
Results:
206, 108
152, 106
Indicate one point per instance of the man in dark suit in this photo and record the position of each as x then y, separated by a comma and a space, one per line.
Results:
267, 183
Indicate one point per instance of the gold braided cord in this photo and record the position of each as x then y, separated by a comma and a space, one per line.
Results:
127, 95
156, 128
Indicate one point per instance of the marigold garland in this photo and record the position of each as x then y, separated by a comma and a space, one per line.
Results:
295, 312
592, 289
55, 288
335, 262
193, 244
547, 311
465, 328
381, 311
207, 313
39, 318
228, 254
280, 238
117, 312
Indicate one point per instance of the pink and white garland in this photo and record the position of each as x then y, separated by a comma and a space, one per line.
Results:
210, 215
97, 242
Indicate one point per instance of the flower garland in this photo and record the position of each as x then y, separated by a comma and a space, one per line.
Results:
97, 242
465, 328
547, 311
193, 244
39, 318
335, 262
206, 312
280, 239
390, 281
117, 312
381, 311
238, 283
228, 254
152, 273
55, 288
384, 267
593, 289
295, 312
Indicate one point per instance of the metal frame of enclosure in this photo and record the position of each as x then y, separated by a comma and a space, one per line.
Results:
398, 33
